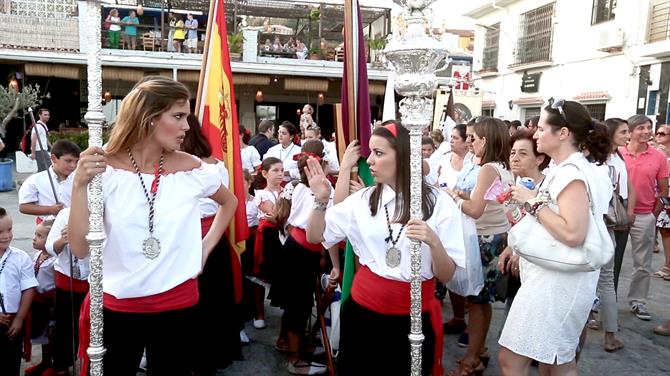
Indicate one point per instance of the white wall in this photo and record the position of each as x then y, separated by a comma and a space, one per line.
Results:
577, 64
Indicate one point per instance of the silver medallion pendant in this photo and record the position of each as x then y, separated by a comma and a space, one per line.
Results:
76, 271
151, 248
393, 257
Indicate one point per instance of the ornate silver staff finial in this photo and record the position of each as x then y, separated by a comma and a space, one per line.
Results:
415, 56
96, 236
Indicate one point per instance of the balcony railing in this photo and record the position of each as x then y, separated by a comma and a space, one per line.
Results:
491, 48
535, 35
659, 24
31, 32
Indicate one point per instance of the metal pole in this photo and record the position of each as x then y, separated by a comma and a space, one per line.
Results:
94, 118
414, 57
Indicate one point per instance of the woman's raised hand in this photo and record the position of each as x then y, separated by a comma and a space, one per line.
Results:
318, 182
92, 161
351, 156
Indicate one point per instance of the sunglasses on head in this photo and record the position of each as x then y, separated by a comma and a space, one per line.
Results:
558, 105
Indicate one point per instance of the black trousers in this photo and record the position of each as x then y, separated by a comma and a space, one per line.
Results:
10, 353
375, 344
65, 336
620, 240
167, 336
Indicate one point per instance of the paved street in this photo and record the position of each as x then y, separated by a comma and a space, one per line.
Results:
644, 354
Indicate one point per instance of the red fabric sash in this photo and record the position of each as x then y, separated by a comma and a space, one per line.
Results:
300, 236
206, 224
63, 283
390, 297
182, 296
263, 224
179, 297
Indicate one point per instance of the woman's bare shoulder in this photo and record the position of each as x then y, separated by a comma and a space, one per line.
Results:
180, 161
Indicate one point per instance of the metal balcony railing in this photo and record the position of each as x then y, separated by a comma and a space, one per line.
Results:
491, 48
535, 35
659, 22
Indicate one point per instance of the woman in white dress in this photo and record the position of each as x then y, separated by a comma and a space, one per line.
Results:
551, 307
451, 164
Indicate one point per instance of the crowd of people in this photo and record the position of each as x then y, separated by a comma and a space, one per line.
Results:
292, 47
168, 263
182, 33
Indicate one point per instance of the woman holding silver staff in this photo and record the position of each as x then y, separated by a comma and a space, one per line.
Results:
152, 222
375, 322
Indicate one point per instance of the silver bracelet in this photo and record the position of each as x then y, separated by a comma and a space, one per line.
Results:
318, 205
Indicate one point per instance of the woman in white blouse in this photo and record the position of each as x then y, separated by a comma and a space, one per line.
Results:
286, 149
551, 307
376, 221
154, 250
251, 159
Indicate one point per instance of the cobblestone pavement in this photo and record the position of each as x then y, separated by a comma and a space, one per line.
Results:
644, 353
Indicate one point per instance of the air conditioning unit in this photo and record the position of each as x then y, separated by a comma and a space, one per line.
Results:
610, 39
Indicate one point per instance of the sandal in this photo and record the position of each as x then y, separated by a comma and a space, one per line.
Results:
467, 369
614, 346
664, 273
593, 324
455, 326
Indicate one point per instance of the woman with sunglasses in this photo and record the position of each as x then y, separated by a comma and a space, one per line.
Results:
451, 164
551, 306
663, 222
491, 145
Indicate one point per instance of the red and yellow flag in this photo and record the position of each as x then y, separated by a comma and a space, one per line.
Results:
218, 115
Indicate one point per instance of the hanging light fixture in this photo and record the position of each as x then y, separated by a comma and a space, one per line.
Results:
14, 84
140, 10
320, 99
107, 96
259, 96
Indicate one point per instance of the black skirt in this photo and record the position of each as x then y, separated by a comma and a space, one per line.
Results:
372, 343
217, 321
295, 274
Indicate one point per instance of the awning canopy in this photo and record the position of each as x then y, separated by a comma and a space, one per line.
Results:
592, 96
53, 70
305, 84
528, 101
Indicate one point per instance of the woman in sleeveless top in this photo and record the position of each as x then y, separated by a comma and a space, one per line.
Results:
491, 144
551, 306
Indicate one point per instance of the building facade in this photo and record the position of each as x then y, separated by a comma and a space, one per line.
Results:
612, 56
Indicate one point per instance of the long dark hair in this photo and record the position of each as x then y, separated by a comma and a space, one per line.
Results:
497, 146
259, 180
194, 141
400, 144
587, 133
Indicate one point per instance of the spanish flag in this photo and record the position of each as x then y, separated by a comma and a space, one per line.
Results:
216, 110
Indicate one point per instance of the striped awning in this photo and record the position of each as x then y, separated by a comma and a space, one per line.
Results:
376, 88
53, 70
306, 84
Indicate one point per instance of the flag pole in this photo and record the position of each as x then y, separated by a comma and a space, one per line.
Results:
205, 56
96, 236
415, 56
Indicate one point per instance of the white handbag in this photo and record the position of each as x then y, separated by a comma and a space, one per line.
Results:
534, 243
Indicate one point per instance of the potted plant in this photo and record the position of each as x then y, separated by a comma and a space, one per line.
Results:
316, 53
235, 42
376, 45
